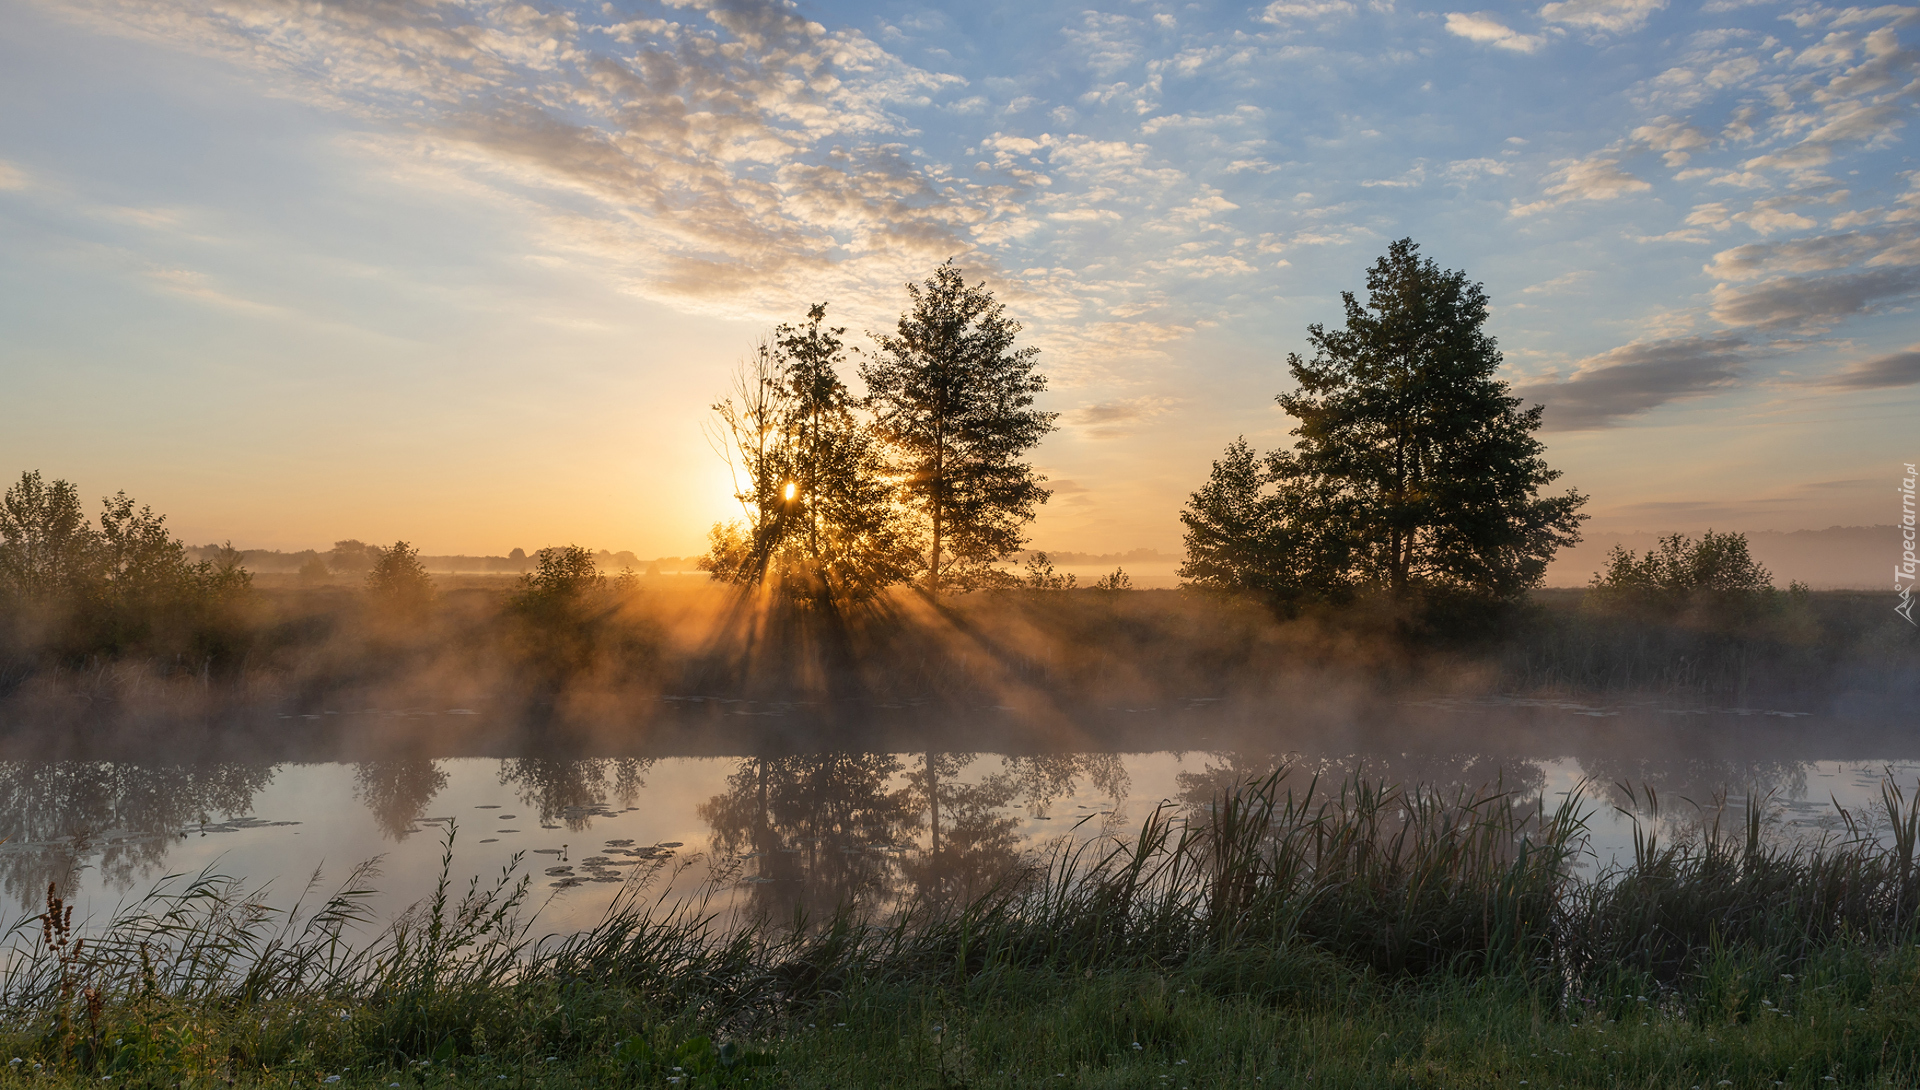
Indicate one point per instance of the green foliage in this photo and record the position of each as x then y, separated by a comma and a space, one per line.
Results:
563, 616
1412, 469
1235, 538
398, 583
1368, 934
823, 523
47, 548
123, 585
953, 397
1715, 576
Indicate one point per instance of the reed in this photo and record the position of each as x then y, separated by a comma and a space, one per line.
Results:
1357, 901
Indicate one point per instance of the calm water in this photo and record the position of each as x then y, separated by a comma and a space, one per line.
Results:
809, 827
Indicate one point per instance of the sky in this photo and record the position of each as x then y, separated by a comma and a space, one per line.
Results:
470, 273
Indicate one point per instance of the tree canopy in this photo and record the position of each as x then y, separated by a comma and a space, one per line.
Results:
823, 521
954, 397
1412, 470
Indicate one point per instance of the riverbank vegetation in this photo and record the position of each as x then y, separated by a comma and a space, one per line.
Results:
1285, 931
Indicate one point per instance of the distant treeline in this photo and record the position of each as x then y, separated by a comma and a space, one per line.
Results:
355, 558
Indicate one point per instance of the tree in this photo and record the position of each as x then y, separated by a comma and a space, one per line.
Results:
47, 547
125, 582
1412, 469
822, 515
399, 584
954, 397
1716, 573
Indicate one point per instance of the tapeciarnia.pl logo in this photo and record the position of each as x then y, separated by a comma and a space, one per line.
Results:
1904, 571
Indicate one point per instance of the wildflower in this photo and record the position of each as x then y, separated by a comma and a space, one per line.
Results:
1136, 1048
332, 1078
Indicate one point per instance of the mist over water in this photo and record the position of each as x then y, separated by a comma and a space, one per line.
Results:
770, 808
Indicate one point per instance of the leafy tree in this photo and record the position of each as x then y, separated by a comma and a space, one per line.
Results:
1234, 528
954, 397
314, 571
1119, 580
1412, 469
47, 546
352, 555
1716, 573
123, 583
823, 519
563, 576
560, 609
399, 584
1041, 576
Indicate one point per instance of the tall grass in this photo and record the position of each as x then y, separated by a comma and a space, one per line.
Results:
1276, 893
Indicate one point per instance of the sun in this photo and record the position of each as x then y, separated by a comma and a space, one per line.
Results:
791, 489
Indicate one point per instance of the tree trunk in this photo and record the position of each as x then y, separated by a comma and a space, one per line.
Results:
939, 481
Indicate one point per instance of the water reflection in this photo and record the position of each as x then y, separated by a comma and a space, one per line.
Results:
119, 818
398, 792
804, 832
817, 831
573, 793
1448, 774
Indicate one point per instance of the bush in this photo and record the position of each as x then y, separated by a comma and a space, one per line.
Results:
399, 584
1715, 578
125, 585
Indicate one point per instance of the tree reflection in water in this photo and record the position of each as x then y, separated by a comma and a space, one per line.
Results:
1695, 791
824, 830
569, 792
1447, 774
54, 815
397, 792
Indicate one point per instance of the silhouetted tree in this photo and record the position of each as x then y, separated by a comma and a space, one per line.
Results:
1412, 468
823, 519
399, 584
124, 583
954, 397
47, 546
314, 571
1716, 574
560, 609
352, 555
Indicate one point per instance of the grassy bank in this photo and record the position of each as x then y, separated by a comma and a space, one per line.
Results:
1287, 934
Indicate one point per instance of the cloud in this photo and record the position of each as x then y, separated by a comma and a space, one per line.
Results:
1637, 378
1114, 419
1485, 26
1810, 303
1677, 139
1282, 12
1612, 16
1898, 369
1819, 253
1594, 179
193, 285
12, 177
